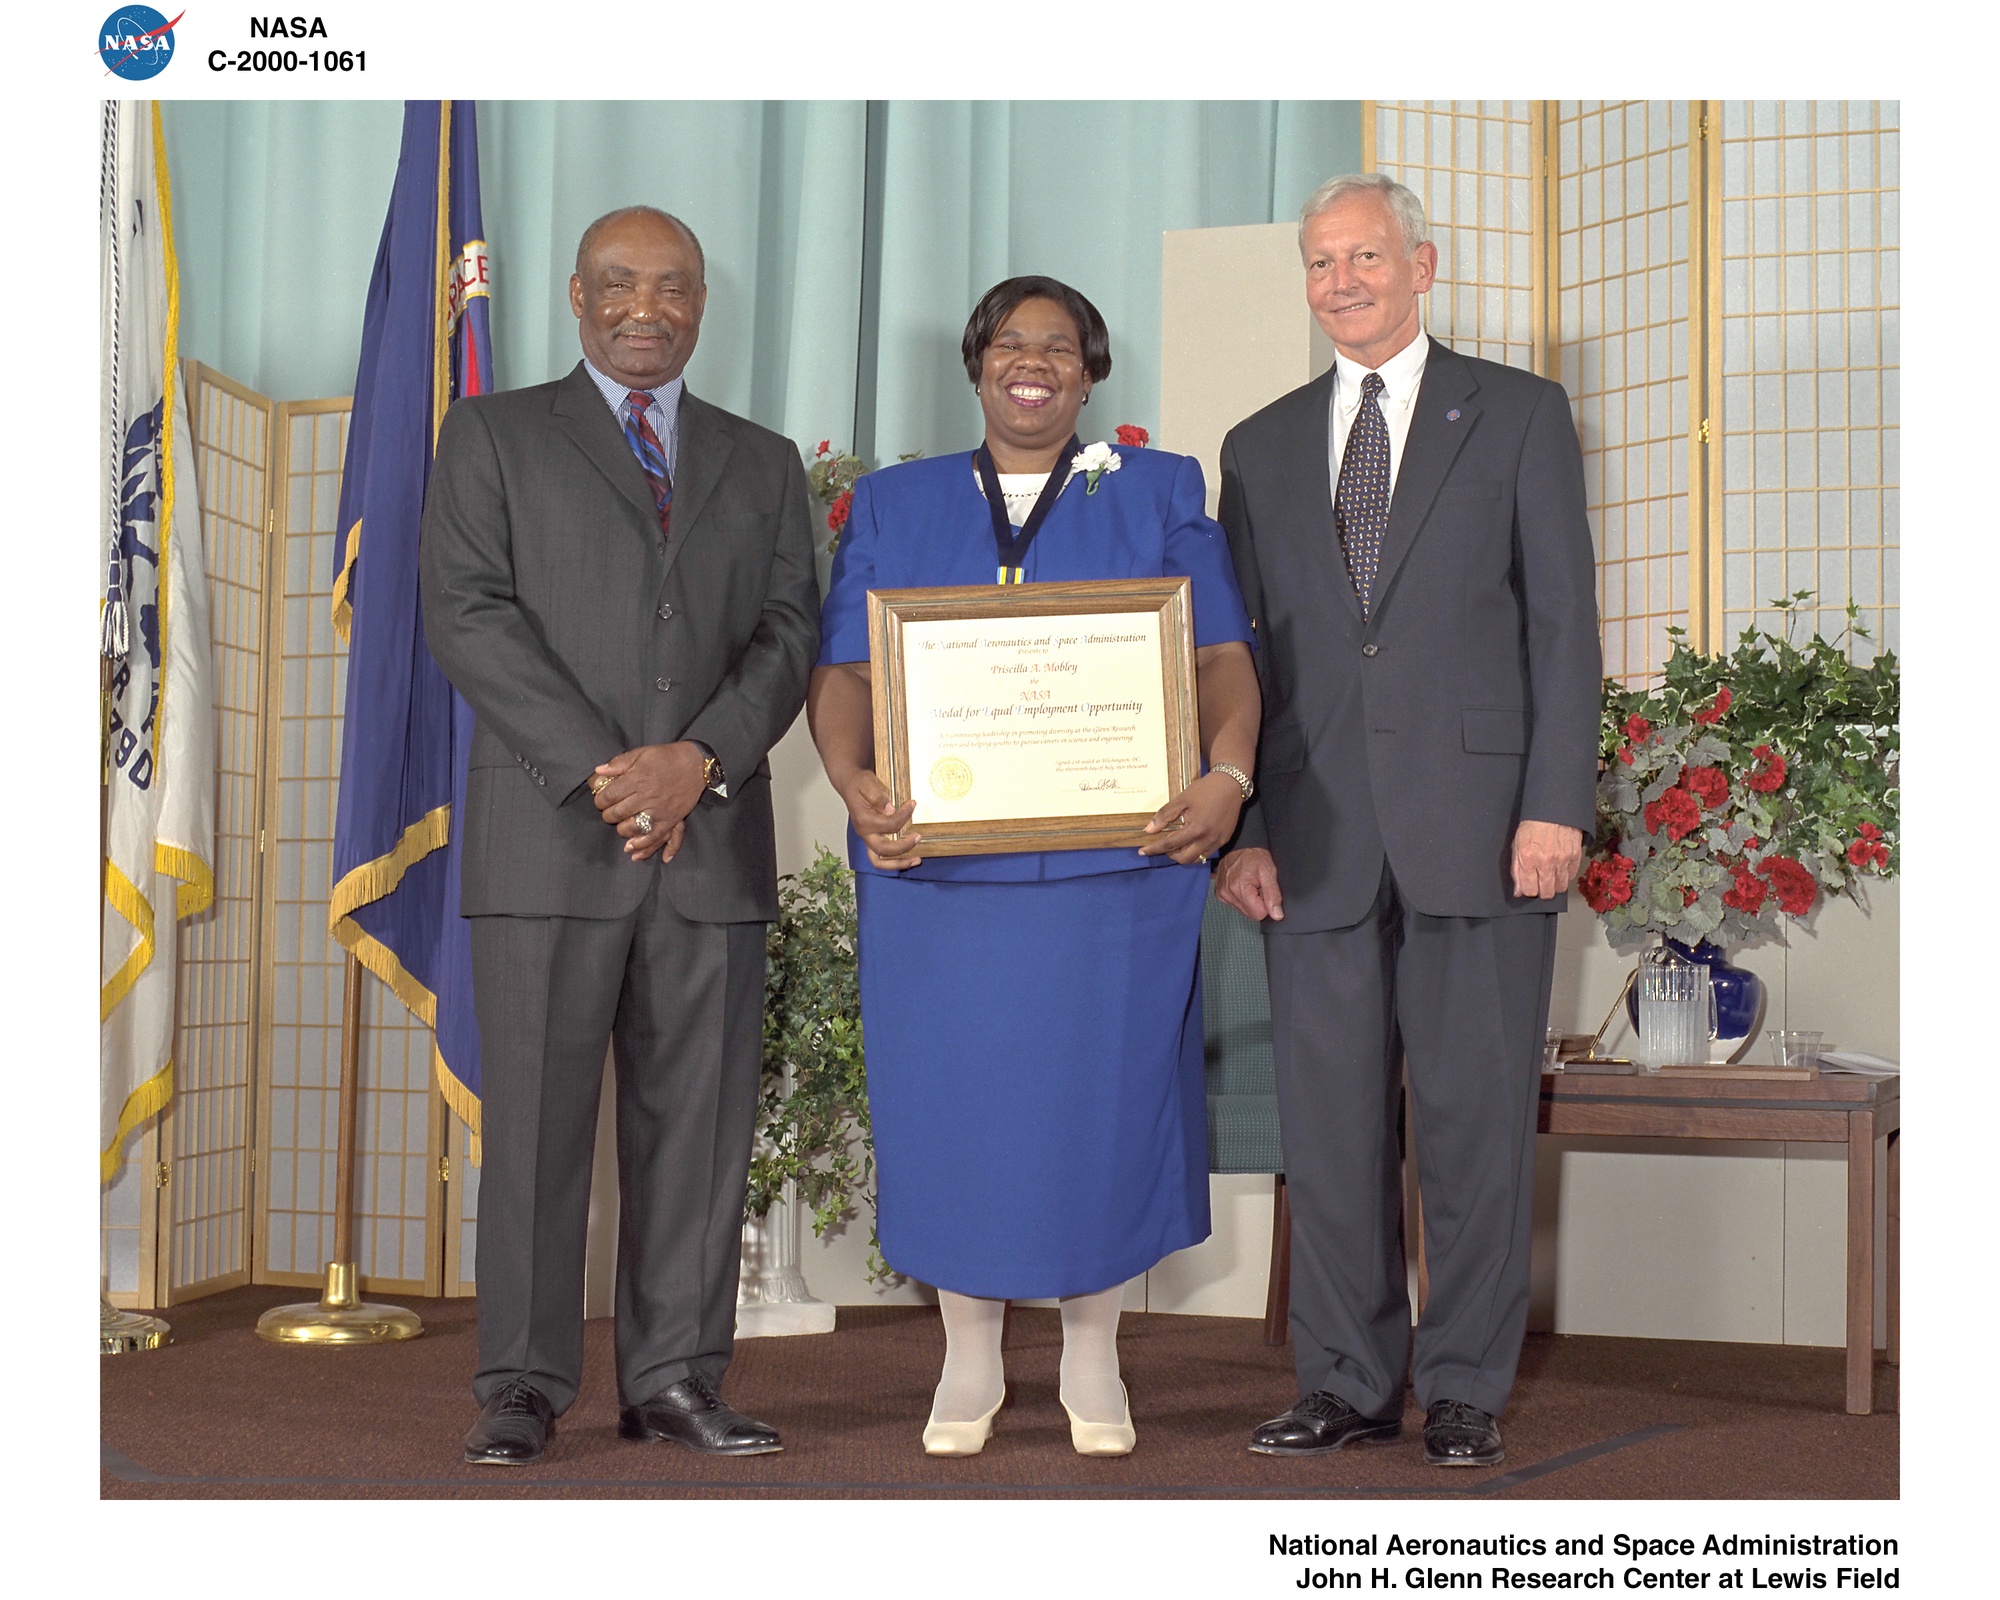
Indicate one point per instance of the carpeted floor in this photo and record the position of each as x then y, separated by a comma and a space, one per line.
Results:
221, 1415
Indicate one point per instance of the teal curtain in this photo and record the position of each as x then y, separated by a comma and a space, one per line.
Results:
846, 240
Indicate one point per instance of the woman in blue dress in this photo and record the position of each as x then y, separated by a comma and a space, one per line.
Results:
1033, 1021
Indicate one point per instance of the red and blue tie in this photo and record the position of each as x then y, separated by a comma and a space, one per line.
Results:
1361, 496
646, 446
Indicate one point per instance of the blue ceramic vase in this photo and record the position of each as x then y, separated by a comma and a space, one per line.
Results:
1739, 998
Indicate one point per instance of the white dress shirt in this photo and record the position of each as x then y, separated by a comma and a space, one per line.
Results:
664, 413
1402, 375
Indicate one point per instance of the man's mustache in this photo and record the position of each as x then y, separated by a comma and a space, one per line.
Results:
644, 330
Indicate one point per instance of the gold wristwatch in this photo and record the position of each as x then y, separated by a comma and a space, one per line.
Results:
1243, 780
712, 777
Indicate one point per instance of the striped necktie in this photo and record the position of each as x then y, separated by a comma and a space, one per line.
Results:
1361, 496
646, 446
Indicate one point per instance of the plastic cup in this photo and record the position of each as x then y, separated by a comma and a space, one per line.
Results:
1795, 1047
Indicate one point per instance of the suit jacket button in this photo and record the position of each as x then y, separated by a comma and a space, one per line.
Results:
1369, 649
663, 684
666, 613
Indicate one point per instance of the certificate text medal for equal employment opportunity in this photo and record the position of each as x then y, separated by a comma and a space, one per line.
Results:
1042, 716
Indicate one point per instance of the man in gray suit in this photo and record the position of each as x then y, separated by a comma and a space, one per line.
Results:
619, 578
1409, 533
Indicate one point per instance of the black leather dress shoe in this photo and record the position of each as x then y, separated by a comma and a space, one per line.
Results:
1460, 1435
691, 1413
513, 1427
1322, 1421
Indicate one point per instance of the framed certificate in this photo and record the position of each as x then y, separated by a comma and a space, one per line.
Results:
1038, 716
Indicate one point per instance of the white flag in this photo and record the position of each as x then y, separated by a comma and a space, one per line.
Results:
160, 818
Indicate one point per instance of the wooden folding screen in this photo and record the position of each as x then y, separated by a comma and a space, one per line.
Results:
235, 1183
1715, 283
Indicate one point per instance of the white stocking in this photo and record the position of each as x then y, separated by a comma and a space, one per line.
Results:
1090, 1385
972, 1380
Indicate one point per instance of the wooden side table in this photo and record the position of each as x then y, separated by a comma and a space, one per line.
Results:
1836, 1108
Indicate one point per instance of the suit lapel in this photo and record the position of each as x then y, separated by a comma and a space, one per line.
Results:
1440, 423
581, 413
699, 458
1306, 444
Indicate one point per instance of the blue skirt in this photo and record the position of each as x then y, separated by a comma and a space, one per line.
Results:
1035, 1077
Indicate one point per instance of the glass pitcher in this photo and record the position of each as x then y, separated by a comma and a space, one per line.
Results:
1676, 1010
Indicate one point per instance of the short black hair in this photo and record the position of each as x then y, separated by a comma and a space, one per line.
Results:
590, 234
998, 303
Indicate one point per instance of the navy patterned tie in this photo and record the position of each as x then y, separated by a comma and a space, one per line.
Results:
1361, 496
652, 459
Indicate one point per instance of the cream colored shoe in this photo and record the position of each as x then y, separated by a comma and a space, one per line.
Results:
961, 1438
1103, 1438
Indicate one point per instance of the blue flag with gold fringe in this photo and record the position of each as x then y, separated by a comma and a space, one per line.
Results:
425, 340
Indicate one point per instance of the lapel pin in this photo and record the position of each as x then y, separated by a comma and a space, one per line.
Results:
1451, 415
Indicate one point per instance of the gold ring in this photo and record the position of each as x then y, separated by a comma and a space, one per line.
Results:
643, 822
598, 784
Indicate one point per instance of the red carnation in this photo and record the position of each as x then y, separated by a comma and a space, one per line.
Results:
836, 514
1768, 775
824, 446
1795, 887
1130, 433
1637, 727
1607, 882
1713, 713
1747, 893
1676, 812
1710, 785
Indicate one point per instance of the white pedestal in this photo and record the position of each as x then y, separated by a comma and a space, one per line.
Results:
771, 1297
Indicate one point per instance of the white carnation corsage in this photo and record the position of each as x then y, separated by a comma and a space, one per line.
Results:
1093, 461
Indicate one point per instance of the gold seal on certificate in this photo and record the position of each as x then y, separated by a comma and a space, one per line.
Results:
1073, 702
951, 778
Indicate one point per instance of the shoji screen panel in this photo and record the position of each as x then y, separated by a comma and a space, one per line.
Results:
208, 1127
1475, 164
398, 1237
461, 1235
1810, 297
1625, 275
128, 1224
398, 1220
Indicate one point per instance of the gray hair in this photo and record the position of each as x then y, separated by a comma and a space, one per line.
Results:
590, 234
1403, 205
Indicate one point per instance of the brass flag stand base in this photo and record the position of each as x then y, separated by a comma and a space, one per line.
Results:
339, 1317
122, 1332
342, 1316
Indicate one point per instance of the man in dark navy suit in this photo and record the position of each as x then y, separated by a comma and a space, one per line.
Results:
1410, 537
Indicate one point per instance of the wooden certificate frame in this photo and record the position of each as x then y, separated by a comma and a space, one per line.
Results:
1104, 748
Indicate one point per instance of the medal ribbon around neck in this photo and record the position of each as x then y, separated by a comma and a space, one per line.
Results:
1009, 542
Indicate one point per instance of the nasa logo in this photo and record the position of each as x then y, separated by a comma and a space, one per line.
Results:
137, 42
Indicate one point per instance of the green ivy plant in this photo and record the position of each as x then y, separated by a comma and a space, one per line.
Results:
812, 1120
1745, 784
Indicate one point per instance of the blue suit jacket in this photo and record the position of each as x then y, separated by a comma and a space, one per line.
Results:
925, 524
